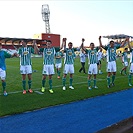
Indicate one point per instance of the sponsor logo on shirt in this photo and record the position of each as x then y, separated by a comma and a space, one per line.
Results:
70, 53
49, 52
92, 52
25, 52
112, 50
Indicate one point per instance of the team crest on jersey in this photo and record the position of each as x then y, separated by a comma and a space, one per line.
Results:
25, 52
49, 52
112, 50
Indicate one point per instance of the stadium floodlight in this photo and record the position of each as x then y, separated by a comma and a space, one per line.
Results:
45, 17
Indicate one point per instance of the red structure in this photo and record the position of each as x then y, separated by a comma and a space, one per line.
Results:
53, 37
40, 39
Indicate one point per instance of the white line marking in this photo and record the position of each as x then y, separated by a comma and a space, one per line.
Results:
39, 92
14, 92
57, 86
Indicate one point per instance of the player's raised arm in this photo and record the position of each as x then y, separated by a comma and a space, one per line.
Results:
62, 45
64, 42
124, 42
100, 42
82, 44
36, 49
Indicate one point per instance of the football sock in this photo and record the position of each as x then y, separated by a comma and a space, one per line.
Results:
108, 81
50, 83
129, 79
4, 85
94, 82
64, 81
71, 80
24, 84
43, 82
29, 83
121, 70
89, 83
58, 72
113, 78
125, 71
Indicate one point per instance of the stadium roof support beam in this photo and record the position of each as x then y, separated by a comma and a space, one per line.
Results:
119, 36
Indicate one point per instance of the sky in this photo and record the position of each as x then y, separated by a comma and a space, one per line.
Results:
72, 19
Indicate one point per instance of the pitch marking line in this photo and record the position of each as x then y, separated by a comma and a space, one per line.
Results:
37, 89
39, 92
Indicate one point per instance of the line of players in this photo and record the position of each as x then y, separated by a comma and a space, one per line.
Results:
49, 53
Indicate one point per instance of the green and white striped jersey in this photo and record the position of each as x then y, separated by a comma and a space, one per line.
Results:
69, 56
124, 57
60, 55
92, 55
111, 52
131, 56
25, 55
48, 55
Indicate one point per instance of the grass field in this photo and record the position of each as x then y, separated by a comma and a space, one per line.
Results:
16, 102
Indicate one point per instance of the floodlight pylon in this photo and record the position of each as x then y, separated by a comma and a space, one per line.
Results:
46, 16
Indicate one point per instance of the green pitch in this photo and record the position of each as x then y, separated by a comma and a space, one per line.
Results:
16, 102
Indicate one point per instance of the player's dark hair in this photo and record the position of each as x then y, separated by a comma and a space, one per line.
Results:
70, 43
91, 43
112, 41
49, 41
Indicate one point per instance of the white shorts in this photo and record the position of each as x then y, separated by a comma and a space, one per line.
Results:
131, 68
48, 70
26, 69
125, 64
58, 65
92, 69
2, 74
68, 68
111, 66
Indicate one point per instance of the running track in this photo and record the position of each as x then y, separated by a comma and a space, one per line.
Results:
87, 116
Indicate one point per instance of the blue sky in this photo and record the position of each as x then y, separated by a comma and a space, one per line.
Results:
72, 19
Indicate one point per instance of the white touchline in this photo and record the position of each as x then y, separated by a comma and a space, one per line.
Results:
39, 92
53, 87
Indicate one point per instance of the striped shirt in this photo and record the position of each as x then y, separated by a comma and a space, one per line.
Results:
3, 55
25, 55
69, 56
92, 56
48, 55
58, 60
111, 52
124, 57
